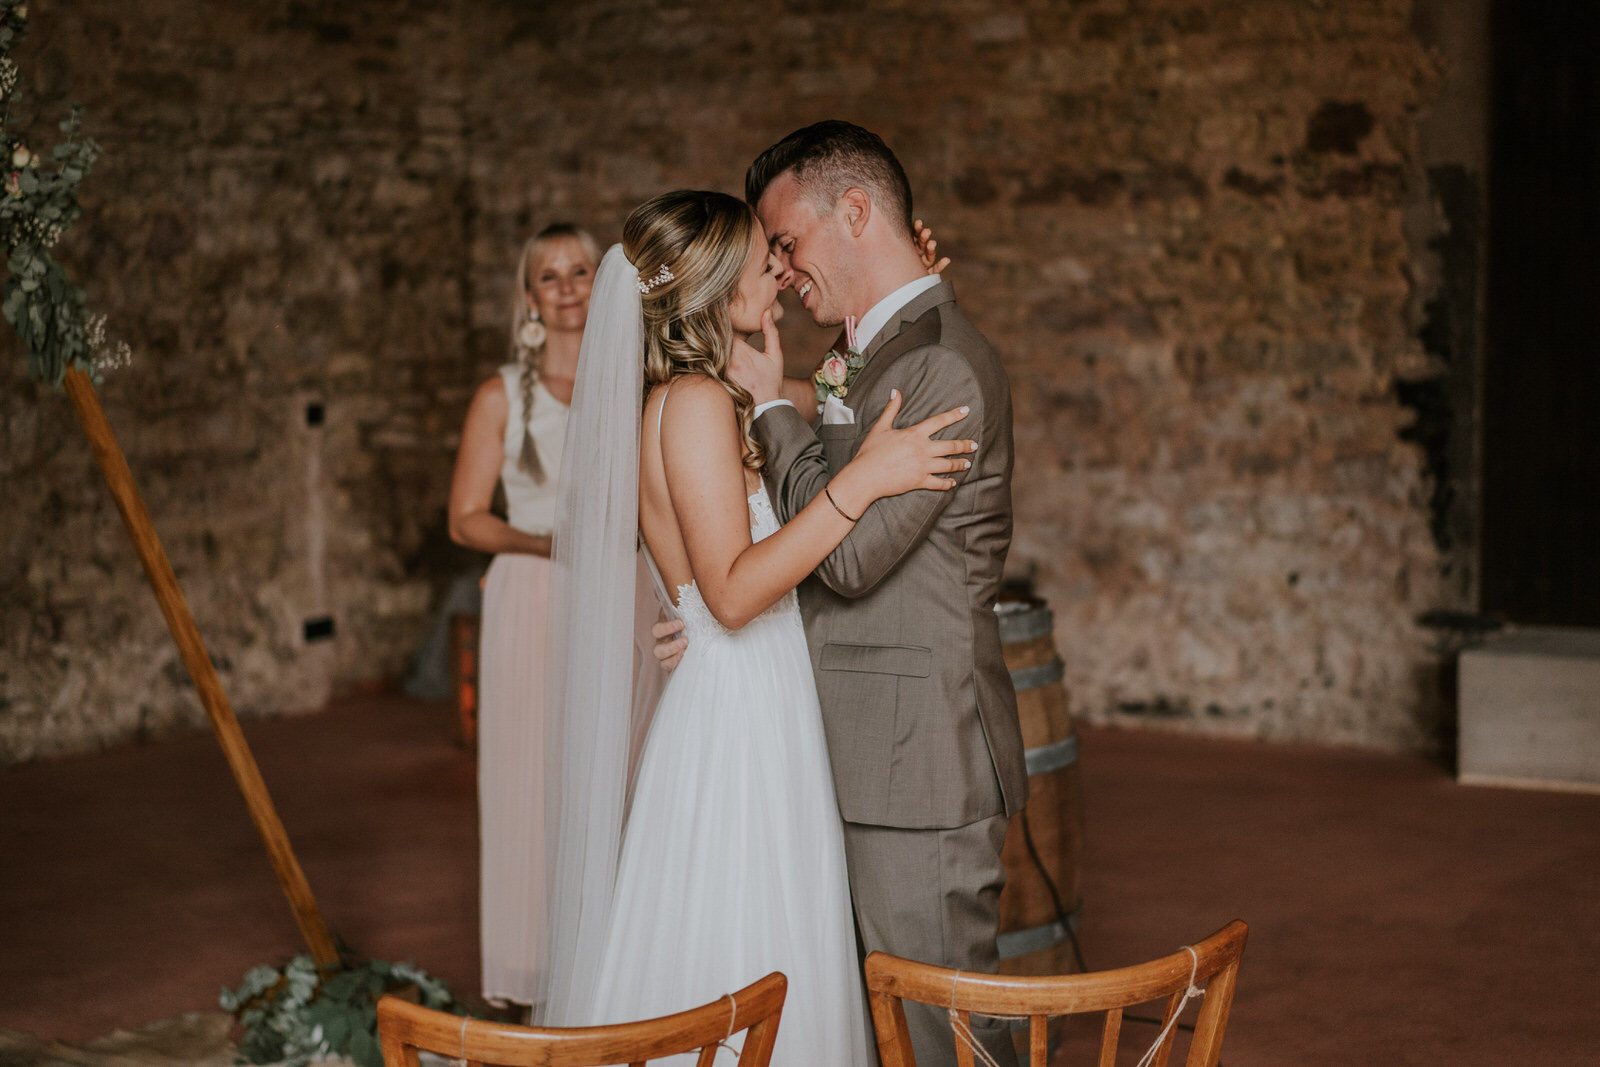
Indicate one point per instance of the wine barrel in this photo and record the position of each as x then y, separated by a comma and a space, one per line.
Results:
1042, 897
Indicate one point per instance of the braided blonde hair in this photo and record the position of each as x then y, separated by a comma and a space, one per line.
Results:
530, 359
704, 239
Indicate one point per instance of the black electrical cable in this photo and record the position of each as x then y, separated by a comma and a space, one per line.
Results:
1066, 922
1055, 894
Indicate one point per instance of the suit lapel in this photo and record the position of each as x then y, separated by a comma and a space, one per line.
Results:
887, 338
943, 293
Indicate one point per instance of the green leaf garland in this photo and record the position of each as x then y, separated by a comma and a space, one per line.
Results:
38, 202
295, 1015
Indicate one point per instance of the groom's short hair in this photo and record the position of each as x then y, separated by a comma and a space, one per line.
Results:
829, 157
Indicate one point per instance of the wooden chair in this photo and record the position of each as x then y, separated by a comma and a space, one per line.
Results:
1214, 966
403, 1028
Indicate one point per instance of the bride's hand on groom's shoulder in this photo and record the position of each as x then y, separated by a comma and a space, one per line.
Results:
759, 373
898, 461
928, 248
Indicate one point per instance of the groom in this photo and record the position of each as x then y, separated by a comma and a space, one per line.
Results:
920, 716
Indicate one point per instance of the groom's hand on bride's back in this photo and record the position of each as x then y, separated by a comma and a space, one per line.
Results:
670, 642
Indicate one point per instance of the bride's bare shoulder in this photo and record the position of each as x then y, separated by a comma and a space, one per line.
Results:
693, 401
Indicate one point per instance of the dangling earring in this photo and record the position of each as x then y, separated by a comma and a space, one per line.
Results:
532, 333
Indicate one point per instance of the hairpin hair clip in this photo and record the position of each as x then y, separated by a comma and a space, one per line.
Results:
663, 276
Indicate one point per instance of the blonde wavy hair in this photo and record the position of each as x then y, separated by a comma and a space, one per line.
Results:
703, 238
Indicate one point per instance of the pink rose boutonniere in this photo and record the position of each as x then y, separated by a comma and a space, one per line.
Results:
833, 378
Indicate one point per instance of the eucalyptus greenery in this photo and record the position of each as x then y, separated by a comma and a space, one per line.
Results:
299, 1014
37, 204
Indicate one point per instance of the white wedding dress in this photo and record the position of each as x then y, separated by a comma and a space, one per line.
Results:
732, 860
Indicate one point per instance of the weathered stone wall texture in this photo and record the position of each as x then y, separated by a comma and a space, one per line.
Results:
1180, 222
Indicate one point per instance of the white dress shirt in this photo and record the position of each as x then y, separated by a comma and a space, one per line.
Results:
873, 322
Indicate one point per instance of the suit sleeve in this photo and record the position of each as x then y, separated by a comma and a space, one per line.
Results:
931, 379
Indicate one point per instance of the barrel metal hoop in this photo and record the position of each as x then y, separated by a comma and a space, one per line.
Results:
1038, 677
1019, 626
1052, 757
1014, 943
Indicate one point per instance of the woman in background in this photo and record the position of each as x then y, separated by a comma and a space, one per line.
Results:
513, 435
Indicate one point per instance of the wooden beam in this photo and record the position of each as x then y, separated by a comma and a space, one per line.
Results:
80, 390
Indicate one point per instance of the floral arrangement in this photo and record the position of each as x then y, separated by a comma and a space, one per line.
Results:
301, 1013
37, 204
837, 370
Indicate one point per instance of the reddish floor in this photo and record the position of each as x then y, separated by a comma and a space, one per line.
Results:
1396, 918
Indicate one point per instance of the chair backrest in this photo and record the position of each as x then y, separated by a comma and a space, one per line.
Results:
1214, 966
403, 1028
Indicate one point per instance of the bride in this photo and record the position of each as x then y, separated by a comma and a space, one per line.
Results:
731, 863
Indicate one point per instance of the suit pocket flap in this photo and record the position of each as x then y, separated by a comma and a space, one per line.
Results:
910, 661
838, 431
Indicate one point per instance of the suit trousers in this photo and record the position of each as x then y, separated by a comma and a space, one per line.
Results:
933, 896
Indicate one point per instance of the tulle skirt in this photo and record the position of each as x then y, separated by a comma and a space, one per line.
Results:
510, 766
733, 863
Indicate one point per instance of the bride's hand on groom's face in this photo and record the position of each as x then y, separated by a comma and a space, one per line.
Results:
759, 373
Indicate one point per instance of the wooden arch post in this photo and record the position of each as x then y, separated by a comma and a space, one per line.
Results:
86, 403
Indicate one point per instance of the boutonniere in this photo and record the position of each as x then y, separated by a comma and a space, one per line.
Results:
838, 371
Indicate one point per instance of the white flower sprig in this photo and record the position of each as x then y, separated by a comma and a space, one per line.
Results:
108, 355
39, 203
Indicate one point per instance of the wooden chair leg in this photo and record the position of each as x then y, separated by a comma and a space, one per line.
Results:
1205, 1047
759, 1041
964, 1057
464, 637
1174, 1005
1038, 1041
894, 1035
1109, 1038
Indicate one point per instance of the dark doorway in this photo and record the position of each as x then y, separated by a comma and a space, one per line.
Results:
1541, 399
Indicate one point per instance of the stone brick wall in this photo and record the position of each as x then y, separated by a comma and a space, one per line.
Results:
275, 223
1181, 223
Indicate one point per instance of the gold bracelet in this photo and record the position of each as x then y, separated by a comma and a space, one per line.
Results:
836, 506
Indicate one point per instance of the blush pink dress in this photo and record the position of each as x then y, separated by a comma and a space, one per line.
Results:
510, 706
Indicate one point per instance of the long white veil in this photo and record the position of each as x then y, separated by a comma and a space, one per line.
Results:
594, 712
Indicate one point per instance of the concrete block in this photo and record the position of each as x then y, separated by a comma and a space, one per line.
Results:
1530, 710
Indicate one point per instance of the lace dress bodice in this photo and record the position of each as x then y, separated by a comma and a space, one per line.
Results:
698, 622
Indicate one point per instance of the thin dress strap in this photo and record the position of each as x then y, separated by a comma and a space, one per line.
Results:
661, 411
665, 597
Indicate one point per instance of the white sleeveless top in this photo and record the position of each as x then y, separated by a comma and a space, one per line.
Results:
531, 507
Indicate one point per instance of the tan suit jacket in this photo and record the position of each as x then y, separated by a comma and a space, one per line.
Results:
920, 715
